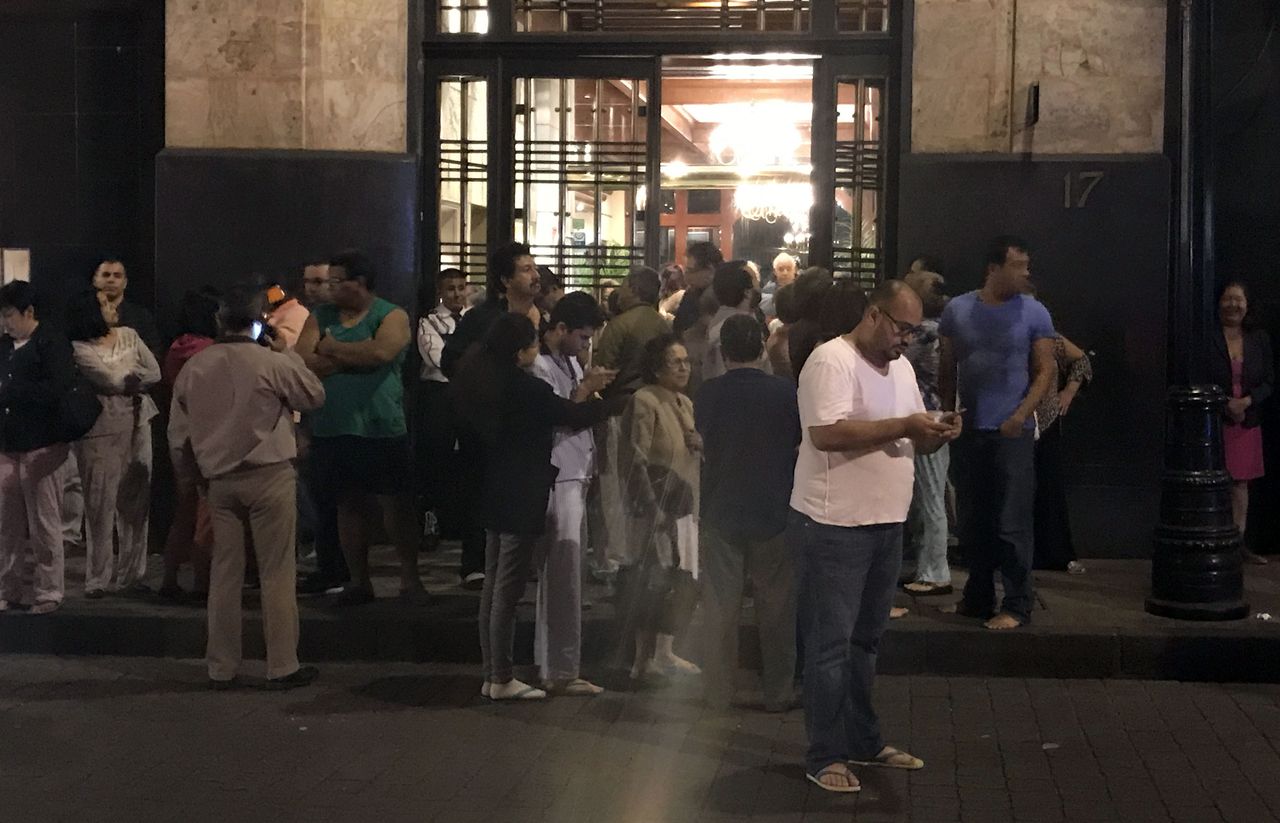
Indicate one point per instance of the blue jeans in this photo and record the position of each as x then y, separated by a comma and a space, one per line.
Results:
996, 490
927, 522
845, 579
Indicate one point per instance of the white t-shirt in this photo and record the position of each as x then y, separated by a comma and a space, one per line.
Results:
573, 451
858, 488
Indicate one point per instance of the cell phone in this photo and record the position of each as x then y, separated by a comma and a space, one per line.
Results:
255, 330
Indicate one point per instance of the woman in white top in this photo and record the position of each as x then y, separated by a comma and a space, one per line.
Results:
115, 456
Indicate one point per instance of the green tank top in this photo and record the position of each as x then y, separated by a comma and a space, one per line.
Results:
363, 403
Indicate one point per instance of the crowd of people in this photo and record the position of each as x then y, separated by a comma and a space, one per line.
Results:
692, 435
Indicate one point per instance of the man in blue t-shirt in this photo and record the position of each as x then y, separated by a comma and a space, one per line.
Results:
1000, 341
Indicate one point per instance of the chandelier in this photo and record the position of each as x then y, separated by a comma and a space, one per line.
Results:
772, 202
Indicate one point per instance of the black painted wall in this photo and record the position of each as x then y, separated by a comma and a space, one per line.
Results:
1246, 92
81, 119
1102, 270
223, 215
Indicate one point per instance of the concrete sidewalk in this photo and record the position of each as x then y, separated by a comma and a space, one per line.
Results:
129, 740
1090, 625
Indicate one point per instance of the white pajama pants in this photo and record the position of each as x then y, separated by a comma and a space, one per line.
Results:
31, 524
72, 503
115, 471
557, 646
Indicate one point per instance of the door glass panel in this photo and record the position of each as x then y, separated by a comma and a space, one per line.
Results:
580, 166
862, 15
464, 16
463, 175
661, 15
857, 235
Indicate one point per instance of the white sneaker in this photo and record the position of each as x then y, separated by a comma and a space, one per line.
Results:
515, 690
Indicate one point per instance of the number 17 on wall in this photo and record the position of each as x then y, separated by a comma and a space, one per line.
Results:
1077, 186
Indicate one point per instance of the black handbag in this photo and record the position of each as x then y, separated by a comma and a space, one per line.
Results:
79, 409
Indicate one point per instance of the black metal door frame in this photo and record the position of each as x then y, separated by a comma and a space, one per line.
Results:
501, 57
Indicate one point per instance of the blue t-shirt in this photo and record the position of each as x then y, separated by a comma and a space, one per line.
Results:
992, 346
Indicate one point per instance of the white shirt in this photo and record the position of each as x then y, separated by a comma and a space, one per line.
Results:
572, 451
433, 330
856, 488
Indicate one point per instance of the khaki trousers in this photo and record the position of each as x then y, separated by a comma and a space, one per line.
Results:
115, 471
263, 500
31, 523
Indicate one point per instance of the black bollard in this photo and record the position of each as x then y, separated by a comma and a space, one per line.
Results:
1196, 570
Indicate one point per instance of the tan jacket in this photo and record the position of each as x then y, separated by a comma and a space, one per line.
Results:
233, 407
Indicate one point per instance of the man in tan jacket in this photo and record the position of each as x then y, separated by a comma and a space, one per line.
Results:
232, 423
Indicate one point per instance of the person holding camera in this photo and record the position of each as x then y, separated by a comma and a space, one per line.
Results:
231, 423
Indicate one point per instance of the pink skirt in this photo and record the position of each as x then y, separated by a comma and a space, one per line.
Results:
1243, 448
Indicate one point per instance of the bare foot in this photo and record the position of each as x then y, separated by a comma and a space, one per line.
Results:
1003, 622
897, 612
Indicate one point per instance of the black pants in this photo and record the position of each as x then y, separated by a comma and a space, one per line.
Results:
466, 514
435, 440
996, 484
1054, 548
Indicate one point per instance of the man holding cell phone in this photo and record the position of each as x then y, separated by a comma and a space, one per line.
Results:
862, 421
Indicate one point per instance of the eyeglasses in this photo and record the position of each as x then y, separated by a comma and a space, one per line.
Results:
681, 363
904, 330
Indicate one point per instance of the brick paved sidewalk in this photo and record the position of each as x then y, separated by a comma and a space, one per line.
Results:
127, 739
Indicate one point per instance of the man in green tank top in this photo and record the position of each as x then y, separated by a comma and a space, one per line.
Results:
360, 445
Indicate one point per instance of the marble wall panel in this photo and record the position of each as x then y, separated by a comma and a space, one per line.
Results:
276, 74
252, 113
1099, 63
1101, 69
961, 75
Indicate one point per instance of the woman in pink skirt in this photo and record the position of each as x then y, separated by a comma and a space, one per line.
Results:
1241, 363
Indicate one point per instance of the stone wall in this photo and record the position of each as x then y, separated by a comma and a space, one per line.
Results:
1100, 65
286, 74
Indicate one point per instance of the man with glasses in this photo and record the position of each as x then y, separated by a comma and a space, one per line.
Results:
998, 343
862, 421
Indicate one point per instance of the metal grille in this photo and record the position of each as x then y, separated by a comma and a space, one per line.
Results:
857, 227
862, 15
580, 164
661, 15
463, 175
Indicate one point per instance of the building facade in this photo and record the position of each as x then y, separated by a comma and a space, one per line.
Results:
855, 134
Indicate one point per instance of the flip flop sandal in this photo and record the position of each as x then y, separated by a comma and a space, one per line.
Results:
525, 693
891, 758
920, 589
816, 779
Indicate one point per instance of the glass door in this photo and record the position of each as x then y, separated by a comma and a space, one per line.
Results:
850, 168
580, 166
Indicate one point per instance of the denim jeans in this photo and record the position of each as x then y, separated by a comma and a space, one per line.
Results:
845, 578
927, 522
996, 489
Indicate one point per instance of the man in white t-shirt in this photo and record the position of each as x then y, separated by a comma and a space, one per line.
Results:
863, 420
